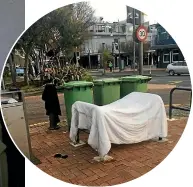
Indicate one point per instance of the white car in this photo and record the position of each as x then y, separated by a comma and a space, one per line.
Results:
177, 68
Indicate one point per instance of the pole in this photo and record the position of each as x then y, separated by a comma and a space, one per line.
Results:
150, 70
3, 84
119, 47
113, 56
77, 65
89, 58
151, 60
103, 46
149, 65
141, 48
134, 40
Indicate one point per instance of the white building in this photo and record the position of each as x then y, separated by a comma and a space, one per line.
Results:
104, 35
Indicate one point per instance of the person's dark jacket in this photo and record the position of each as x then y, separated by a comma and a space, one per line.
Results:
51, 100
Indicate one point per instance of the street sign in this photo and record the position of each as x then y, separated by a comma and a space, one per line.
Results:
141, 33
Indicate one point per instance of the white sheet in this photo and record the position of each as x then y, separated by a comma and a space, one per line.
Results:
136, 117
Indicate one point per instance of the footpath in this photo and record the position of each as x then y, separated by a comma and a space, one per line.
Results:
131, 161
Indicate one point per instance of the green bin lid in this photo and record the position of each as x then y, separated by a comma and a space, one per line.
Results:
106, 81
135, 78
74, 84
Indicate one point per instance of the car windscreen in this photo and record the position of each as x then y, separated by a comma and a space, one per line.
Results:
179, 64
20, 70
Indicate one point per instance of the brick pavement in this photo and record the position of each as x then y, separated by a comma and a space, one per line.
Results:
131, 161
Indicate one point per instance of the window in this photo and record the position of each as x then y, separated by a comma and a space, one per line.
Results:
180, 64
166, 57
177, 64
174, 64
177, 56
176, 51
184, 64
100, 28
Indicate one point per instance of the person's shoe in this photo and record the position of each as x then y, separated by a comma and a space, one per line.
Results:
51, 128
54, 128
59, 155
57, 127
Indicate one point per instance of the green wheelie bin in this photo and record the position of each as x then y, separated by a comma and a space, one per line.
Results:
106, 91
76, 91
136, 83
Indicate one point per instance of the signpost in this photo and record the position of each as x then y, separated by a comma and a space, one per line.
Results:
141, 33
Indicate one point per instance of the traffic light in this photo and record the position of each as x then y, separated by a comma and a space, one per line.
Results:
115, 47
77, 55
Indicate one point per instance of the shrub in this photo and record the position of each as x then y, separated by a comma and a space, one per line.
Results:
69, 73
87, 77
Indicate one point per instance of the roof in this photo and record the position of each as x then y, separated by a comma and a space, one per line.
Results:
170, 46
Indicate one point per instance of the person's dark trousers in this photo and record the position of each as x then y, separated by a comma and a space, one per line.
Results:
110, 69
54, 120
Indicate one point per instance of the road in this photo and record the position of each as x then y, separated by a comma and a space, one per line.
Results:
36, 111
158, 77
183, 80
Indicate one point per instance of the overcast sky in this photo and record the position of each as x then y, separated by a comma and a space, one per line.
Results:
113, 12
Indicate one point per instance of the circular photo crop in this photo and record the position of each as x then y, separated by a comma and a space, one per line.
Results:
93, 97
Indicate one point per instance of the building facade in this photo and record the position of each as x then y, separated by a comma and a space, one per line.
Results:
166, 49
110, 36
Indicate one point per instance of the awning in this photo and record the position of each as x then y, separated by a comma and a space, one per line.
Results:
163, 46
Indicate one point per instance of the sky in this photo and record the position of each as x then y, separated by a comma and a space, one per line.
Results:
113, 12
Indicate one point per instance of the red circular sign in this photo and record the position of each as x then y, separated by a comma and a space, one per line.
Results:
141, 33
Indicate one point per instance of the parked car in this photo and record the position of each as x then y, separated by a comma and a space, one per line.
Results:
19, 71
177, 68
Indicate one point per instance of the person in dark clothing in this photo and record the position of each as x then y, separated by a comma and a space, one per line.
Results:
52, 105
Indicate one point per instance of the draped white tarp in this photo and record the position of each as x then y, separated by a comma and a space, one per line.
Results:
136, 117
